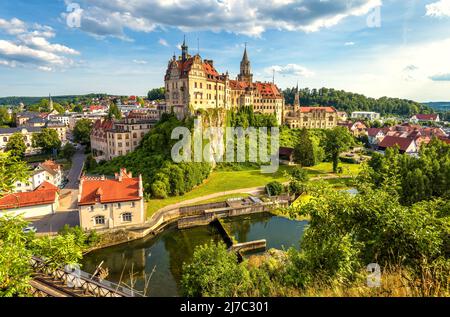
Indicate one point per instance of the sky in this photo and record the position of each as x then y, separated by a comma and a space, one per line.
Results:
394, 48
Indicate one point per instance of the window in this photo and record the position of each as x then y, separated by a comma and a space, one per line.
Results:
127, 217
99, 220
119, 205
133, 204
91, 208
105, 207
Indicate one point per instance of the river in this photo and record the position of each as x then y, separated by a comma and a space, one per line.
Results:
133, 262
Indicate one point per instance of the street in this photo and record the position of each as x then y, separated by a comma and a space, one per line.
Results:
67, 212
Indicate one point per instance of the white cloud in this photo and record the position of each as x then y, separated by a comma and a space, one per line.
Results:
252, 17
13, 26
438, 9
32, 48
349, 43
140, 62
45, 68
163, 42
290, 70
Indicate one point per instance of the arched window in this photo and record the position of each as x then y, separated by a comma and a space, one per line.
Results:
127, 217
99, 220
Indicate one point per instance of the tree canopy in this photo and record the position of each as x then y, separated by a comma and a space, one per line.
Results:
349, 102
16, 145
47, 140
82, 131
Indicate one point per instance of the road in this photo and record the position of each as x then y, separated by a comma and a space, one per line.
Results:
67, 212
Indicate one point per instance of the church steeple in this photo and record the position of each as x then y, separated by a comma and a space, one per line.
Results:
296, 99
184, 50
246, 71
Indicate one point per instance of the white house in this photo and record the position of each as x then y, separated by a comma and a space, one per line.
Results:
43, 201
365, 115
47, 171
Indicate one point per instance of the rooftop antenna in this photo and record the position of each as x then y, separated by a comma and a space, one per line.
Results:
198, 46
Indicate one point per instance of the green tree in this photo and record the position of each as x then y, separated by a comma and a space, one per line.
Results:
5, 118
304, 151
114, 112
214, 272
82, 131
78, 108
12, 170
15, 257
48, 140
156, 94
67, 151
338, 140
59, 108
16, 145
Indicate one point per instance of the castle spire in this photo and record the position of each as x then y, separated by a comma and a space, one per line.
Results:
184, 50
246, 73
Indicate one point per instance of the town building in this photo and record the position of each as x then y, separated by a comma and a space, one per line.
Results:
369, 115
111, 139
297, 117
193, 83
42, 201
425, 118
111, 203
375, 135
405, 145
357, 128
342, 116
48, 171
27, 132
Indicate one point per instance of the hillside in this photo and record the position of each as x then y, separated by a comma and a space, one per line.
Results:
14, 101
349, 102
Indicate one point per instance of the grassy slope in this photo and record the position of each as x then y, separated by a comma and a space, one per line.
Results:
230, 180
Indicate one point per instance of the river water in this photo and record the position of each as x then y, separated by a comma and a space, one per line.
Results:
133, 262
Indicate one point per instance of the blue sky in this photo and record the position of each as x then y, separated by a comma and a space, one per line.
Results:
122, 47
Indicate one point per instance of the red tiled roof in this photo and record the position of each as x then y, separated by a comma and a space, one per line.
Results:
38, 197
426, 117
267, 90
309, 109
373, 131
210, 70
445, 139
241, 85
46, 186
391, 141
109, 190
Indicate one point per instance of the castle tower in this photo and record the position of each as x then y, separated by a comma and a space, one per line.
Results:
296, 100
184, 50
246, 72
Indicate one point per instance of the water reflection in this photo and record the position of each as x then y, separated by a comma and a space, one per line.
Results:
132, 263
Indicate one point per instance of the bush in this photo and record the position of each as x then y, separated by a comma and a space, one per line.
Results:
274, 188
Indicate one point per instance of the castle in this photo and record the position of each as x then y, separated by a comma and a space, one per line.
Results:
192, 83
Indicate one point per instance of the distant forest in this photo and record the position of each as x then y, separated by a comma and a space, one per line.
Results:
349, 102
15, 101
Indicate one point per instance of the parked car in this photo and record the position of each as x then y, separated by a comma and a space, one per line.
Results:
29, 229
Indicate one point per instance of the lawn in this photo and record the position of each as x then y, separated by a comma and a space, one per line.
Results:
220, 181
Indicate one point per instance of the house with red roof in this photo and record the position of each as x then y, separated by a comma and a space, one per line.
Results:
375, 135
406, 145
425, 118
111, 203
42, 201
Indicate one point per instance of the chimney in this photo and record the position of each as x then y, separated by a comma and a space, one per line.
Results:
80, 188
141, 189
